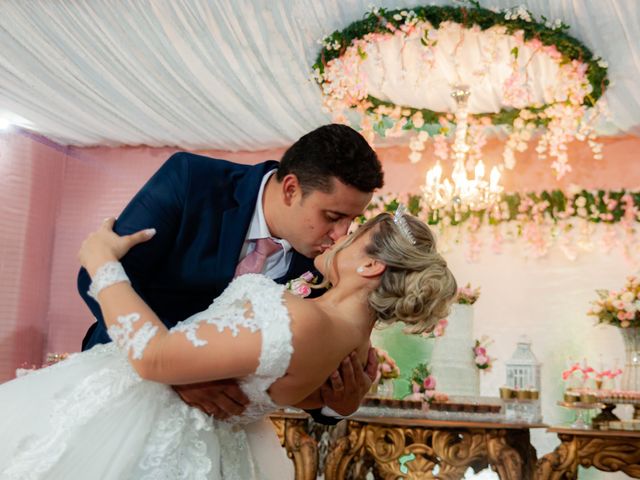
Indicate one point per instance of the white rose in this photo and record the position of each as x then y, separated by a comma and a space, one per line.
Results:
627, 297
415, 157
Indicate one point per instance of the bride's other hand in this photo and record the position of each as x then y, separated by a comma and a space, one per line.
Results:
104, 245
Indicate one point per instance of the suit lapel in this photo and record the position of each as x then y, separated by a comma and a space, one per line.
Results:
236, 220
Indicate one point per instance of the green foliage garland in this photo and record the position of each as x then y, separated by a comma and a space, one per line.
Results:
379, 19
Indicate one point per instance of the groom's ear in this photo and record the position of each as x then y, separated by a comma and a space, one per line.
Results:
291, 188
372, 268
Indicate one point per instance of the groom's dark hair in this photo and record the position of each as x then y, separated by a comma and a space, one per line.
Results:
332, 151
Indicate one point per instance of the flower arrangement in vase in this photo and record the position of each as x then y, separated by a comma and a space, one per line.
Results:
423, 385
621, 308
467, 295
387, 370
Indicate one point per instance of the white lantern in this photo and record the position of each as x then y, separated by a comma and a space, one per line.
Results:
523, 369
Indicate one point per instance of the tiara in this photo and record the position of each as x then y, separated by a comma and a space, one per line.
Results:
401, 222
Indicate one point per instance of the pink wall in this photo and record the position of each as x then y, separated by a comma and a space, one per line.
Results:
619, 169
55, 196
31, 175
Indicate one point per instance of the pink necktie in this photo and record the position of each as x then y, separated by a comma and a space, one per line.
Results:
254, 262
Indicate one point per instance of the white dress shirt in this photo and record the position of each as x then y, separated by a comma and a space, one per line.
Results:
277, 264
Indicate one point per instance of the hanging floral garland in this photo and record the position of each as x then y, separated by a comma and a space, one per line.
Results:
390, 52
539, 220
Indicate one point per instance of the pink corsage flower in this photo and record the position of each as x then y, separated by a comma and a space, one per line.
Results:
301, 286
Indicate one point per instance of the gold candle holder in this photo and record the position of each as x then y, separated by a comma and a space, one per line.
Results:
506, 393
587, 398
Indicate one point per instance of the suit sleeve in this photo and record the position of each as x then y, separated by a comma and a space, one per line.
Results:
159, 204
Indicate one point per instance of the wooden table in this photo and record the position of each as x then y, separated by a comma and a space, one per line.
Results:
410, 448
606, 450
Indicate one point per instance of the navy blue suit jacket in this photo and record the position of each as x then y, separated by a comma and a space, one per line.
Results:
201, 208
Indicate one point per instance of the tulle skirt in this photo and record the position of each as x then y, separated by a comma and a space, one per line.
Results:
92, 417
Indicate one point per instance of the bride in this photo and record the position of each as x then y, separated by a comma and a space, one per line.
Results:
109, 413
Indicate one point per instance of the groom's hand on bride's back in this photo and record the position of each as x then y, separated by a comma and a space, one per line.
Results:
220, 399
346, 387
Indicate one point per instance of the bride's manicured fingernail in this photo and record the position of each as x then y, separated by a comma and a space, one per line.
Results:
150, 232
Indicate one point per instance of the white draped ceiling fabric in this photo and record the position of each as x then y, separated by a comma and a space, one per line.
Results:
224, 74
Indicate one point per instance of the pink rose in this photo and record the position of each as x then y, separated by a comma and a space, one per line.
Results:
480, 351
481, 360
303, 290
415, 388
429, 394
429, 383
307, 276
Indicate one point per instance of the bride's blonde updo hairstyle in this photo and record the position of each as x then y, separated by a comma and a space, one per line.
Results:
416, 287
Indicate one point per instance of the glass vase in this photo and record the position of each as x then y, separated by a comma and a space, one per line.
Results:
385, 389
631, 370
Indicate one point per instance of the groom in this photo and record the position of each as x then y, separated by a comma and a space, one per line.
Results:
216, 219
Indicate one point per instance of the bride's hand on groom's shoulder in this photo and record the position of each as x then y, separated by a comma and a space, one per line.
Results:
104, 245
348, 385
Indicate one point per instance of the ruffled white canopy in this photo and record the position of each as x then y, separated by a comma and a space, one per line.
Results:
224, 74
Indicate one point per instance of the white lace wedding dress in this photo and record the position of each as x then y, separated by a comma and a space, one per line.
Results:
92, 417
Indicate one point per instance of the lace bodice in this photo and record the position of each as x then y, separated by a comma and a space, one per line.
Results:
254, 302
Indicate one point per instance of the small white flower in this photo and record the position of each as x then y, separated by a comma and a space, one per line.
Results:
397, 17
603, 64
415, 157
627, 297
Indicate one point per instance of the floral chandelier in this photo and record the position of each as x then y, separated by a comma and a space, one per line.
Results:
396, 69
462, 193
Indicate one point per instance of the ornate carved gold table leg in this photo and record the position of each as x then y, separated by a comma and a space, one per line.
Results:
345, 449
401, 452
278, 424
511, 454
562, 463
608, 453
300, 446
413, 452
458, 450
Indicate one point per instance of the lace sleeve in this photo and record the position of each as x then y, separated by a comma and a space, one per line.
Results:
224, 341
245, 331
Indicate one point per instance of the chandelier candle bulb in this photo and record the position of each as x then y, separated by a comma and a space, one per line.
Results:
494, 178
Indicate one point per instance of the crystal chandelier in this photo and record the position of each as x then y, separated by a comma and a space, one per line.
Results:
461, 193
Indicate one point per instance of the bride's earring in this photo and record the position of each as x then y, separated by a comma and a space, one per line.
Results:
360, 269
